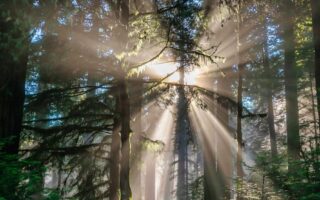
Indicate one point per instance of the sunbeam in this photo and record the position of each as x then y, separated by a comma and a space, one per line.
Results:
159, 100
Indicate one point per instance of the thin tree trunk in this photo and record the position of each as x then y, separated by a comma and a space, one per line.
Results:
290, 83
211, 188
272, 132
115, 153
224, 147
314, 114
266, 64
315, 6
241, 66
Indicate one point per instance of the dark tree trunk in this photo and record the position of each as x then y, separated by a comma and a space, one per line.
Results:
239, 124
12, 90
269, 90
125, 142
290, 82
12, 86
182, 135
272, 132
315, 6
122, 12
11, 102
241, 66
224, 146
115, 152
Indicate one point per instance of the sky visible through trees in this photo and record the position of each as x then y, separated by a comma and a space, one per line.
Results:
159, 99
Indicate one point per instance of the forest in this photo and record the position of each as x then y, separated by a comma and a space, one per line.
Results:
159, 99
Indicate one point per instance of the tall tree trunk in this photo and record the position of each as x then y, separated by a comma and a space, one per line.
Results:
241, 66
182, 140
125, 142
290, 82
239, 124
122, 12
12, 87
266, 65
115, 152
315, 6
224, 146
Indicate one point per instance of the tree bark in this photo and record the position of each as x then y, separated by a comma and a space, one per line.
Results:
290, 83
241, 66
12, 91
125, 142
181, 140
13, 66
122, 12
266, 65
224, 146
315, 6
115, 152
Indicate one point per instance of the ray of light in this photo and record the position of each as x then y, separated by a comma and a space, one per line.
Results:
158, 127
217, 145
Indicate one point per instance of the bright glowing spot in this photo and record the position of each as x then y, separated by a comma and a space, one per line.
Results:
174, 77
163, 69
191, 77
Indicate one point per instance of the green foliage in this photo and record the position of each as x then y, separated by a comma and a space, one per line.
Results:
22, 175
53, 195
302, 183
250, 190
196, 188
155, 146
15, 24
271, 179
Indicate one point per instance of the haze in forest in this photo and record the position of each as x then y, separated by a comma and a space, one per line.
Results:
159, 99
